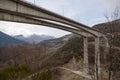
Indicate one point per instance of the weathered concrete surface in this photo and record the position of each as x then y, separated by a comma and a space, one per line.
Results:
97, 57
38, 12
85, 63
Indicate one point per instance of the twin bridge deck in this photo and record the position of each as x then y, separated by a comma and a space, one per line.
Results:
24, 12
23, 9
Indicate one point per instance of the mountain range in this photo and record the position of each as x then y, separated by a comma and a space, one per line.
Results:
6, 40
34, 38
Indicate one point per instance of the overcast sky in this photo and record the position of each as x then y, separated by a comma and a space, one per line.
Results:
88, 12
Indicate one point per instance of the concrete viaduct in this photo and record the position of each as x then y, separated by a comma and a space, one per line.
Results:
25, 12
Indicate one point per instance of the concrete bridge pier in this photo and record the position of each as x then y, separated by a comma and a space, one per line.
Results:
106, 51
97, 57
85, 56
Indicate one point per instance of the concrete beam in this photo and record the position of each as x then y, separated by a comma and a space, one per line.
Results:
14, 17
35, 11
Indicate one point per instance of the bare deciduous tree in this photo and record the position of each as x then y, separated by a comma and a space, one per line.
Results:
112, 35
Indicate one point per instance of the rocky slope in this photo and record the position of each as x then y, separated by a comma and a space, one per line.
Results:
108, 27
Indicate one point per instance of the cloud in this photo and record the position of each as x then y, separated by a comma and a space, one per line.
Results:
111, 5
14, 28
53, 5
68, 8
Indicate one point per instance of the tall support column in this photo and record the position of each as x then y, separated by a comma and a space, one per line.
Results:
97, 57
106, 51
85, 63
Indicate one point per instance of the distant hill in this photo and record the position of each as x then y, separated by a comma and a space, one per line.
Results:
73, 47
34, 38
60, 40
106, 27
6, 40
